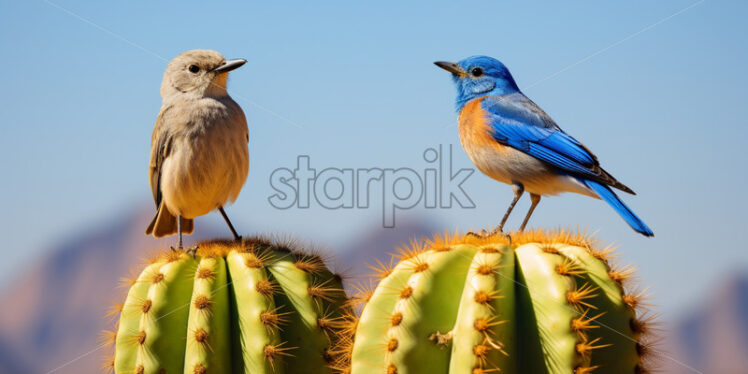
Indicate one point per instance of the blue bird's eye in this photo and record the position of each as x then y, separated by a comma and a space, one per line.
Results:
194, 68
476, 72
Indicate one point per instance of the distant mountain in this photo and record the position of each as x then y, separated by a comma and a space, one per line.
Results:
10, 363
53, 313
713, 339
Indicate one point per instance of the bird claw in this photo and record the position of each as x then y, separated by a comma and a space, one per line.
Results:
501, 232
508, 237
192, 251
480, 235
485, 234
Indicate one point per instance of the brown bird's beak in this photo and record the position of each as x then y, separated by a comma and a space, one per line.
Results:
229, 65
451, 67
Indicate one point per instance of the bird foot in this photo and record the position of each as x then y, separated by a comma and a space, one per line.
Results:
192, 251
175, 249
480, 235
500, 231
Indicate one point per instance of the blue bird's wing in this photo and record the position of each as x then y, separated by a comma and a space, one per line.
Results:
518, 122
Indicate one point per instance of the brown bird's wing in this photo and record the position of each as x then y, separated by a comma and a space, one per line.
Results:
160, 148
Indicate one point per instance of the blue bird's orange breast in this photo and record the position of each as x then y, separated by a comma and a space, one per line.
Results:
487, 154
475, 131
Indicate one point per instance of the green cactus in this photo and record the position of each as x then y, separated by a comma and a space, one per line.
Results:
544, 303
251, 307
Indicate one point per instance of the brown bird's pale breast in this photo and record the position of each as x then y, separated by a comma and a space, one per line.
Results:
209, 156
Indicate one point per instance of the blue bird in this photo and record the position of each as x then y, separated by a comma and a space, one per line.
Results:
510, 139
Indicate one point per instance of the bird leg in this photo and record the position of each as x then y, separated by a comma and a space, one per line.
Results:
519, 189
231, 227
191, 251
179, 231
535, 199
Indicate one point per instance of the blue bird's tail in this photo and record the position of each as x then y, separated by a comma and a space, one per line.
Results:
611, 198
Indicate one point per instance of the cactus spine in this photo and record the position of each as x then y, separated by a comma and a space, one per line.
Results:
250, 307
544, 303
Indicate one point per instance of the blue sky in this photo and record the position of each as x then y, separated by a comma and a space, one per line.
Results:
352, 86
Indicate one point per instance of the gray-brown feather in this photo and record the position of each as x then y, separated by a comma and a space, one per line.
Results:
199, 155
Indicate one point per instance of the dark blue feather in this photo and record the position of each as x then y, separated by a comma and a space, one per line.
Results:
516, 121
556, 159
611, 198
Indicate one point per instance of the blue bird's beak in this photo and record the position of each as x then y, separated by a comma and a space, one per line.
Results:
452, 68
229, 65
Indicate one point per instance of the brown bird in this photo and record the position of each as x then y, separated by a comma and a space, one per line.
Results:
200, 144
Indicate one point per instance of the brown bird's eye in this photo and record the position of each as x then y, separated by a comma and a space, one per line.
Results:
194, 68
476, 72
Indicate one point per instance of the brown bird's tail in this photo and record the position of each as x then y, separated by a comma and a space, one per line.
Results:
164, 223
